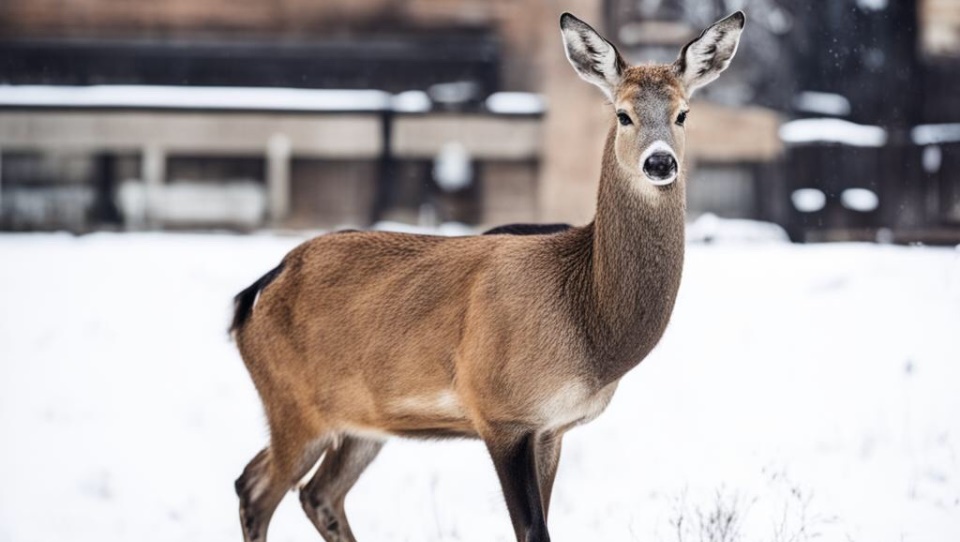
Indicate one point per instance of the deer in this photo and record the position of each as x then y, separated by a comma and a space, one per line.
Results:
513, 338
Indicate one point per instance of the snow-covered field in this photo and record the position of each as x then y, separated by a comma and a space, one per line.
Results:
804, 390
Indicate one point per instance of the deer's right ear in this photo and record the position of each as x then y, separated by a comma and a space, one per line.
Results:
595, 59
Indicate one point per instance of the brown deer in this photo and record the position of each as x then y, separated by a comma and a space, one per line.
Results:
512, 339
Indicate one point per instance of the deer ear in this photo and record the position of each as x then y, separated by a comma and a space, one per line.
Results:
703, 59
595, 59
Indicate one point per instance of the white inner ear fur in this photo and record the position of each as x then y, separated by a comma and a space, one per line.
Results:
594, 59
710, 54
660, 146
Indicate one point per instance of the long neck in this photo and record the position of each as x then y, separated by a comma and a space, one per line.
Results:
637, 259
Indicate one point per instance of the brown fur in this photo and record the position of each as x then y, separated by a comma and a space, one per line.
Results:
366, 335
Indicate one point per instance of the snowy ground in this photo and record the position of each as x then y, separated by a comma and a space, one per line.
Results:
812, 387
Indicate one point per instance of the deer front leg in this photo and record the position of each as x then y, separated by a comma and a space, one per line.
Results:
514, 457
548, 458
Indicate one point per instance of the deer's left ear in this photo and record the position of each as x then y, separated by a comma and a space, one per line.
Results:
703, 59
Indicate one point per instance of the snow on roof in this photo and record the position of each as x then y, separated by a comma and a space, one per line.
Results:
822, 103
411, 101
174, 97
873, 5
245, 98
832, 131
931, 134
516, 103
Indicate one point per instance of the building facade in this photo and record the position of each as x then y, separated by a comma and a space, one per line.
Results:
450, 71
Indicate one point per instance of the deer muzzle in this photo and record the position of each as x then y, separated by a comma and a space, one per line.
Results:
659, 164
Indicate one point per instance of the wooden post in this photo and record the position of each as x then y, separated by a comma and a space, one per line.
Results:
105, 208
153, 170
383, 197
278, 178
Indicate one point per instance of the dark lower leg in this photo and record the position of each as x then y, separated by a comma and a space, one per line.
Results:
323, 497
259, 497
262, 486
548, 458
514, 456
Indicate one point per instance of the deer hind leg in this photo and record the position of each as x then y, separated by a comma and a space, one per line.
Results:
514, 453
322, 498
267, 478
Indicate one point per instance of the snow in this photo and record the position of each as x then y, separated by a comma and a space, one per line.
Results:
808, 200
184, 202
832, 131
873, 5
709, 228
174, 97
931, 134
454, 93
451, 168
262, 98
931, 158
36, 206
863, 200
449, 229
817, 382
516, 103
411, 101
823, 103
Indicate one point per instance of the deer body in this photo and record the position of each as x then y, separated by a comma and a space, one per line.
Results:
512, 339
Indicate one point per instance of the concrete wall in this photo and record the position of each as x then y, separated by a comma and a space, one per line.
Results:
331, 193
940, 27
509, 192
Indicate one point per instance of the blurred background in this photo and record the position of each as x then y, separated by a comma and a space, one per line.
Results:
801, 392
838, 121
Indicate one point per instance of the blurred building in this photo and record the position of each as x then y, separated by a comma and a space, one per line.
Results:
425, 111
330, 159
881, 77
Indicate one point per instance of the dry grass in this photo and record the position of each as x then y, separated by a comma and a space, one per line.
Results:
724, 517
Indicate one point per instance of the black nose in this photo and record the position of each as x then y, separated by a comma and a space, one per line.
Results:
660, 165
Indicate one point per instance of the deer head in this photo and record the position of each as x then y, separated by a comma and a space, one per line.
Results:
650, 102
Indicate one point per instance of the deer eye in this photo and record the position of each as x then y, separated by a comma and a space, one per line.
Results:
624, 118
681, 118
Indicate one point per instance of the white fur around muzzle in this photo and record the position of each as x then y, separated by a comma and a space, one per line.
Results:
659, 146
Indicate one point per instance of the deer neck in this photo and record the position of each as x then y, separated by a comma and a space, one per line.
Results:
637, 260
